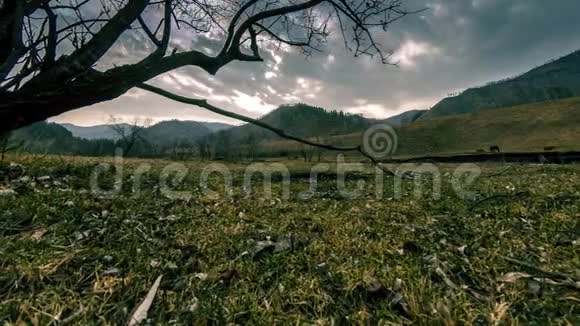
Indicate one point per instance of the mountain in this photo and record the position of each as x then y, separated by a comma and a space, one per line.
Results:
404, 118
216, 126
175, 132
52, 138
555, 80
163, 132
300, 120
94, 132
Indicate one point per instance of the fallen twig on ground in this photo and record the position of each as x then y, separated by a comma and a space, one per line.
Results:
479, 202
541, 270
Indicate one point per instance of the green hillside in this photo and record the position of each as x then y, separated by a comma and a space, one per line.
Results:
174, 132
555, 80
530, 127
302, 120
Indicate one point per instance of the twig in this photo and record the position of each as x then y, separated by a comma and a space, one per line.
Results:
541, 270
507, 168
518, 194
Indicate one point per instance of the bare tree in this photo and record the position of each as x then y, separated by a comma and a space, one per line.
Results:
320, 140
203, 148
250, 144
129, 134
51, 48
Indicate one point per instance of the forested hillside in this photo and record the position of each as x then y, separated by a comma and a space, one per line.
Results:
555, 80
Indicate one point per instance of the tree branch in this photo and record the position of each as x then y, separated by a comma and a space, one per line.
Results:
147, 31
204, 104
234, 49
10, 56
50, 54
166, 28
233, 22
81, 60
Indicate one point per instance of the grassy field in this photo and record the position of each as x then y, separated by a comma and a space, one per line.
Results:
68, 256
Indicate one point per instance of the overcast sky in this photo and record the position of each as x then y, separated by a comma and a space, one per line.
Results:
455, 44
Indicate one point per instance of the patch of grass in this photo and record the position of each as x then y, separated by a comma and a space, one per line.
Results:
67, 254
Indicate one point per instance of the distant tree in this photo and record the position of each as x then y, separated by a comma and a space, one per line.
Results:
5, 145
129, 134
222, 144
52, 49
250, 143
203, 148
319, 150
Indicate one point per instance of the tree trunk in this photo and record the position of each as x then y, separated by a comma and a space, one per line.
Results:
42, 101
24, 108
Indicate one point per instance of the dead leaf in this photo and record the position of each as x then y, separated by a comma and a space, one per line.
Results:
283, 244
194, 304
201, 276
38, 234
513, 277
7, 192
534, 287
398, 285
140, 312
262, 248
445, 278
499, 313
376, 291
464, 250
322, 268
111, 271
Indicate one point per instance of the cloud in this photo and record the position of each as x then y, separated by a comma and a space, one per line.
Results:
252, 103
453, 45
410, 51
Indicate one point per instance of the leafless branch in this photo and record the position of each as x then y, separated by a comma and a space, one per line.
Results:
204, 104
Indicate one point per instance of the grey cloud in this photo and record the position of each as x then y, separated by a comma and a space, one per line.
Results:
453, 45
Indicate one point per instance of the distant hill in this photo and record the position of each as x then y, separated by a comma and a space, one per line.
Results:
52, 138
94, 132
216, 126
175, 132
528, 127
405, 117
300, 120
68, 139
555, 80
550, 125
297, 119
